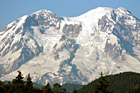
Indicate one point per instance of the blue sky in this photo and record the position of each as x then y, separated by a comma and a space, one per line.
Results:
11, 10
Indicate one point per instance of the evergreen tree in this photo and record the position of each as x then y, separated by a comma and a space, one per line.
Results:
103, 84
7, 87
90, 90
134, 89
126, 82
57, 88
17, 85
19, 78
29, 84
37, 90
1, 87
74, 90
47, 88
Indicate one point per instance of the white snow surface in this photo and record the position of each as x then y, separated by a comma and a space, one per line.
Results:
78, 59
91, 18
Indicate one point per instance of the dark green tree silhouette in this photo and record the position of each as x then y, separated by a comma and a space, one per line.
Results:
57, 88
19, 78
29, 84
1, 87
103, 84
47, 88
134, 89
17, 85
90, 90
74, 90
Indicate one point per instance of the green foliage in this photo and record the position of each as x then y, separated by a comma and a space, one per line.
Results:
127, 82
102, 86
74, 90
1, 87
29, 84
18, 85
118, 83
58, 89
18, 79
47, 88
134, 89
36, 90
69, 87
90, 90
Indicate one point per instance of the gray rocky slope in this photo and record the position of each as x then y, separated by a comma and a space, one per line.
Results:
70, 49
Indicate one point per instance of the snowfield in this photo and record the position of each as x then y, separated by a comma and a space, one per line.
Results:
70, 49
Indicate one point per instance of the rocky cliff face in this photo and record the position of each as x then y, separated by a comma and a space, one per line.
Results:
70, 50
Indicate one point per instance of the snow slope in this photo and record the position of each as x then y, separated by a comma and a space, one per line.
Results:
70, 49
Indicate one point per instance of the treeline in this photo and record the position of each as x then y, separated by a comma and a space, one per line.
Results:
18, 85
126, 82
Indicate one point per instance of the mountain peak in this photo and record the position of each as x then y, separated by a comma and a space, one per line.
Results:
96, 11
43, 11
71, 50
123, 10
105, 8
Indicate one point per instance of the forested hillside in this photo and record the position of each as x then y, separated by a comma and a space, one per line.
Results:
127, 82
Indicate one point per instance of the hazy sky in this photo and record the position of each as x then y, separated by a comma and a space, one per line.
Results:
11, 10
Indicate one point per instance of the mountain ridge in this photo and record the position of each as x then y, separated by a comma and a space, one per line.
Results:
70, 49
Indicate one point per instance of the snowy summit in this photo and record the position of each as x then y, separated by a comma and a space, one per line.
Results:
70, 49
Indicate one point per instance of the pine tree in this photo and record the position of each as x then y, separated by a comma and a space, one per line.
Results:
19, 78
57, 88
103, 84
47, 88
74, 90
1, 87
134, 89
90, 90
17, 85
29, 84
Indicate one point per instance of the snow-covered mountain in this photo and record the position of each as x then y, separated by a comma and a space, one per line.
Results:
70, 49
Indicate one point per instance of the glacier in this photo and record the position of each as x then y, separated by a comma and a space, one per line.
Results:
70, 49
